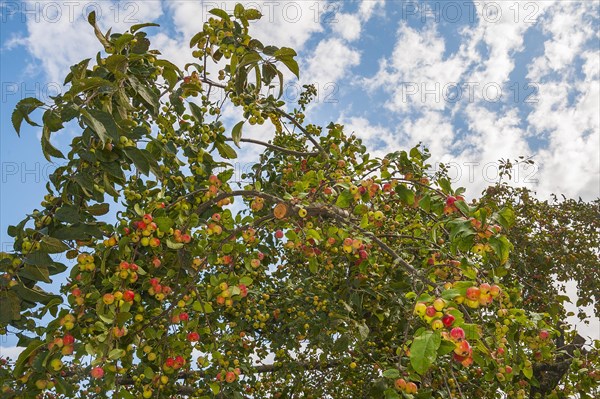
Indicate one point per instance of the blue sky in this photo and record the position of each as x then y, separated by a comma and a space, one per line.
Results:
527, 73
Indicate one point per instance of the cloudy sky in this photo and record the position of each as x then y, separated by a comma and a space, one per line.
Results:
474, 81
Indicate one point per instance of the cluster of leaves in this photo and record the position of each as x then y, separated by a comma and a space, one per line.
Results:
319, 263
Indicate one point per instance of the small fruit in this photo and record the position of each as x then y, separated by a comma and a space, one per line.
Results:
544, 335
439, 304
108, 299
473, 293
420, 309
97, 372
279, 234
448, 320
457, 334
302, 212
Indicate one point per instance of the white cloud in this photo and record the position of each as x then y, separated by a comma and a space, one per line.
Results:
330, 61
59, 39
348, 26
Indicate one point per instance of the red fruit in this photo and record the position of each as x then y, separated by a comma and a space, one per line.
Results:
133, 267
97, 372
544, 335
156, 262
279, 234
463, 349
186, 238
430, 311
450, 200
448, 320
141, 225
179, 360
170, 362
154, 281
147, 218
193, 336
485, 288
76, 292
400, 384
68, 339
411, 387
457, 334
184, 316
362, 190
363, 254
508, 369
230, 376
387, 187
128, 296
473, 293
243, 290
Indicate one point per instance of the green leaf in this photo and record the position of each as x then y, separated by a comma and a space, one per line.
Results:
137, 27
236, 133
221, 14
67, 213
35, 273
52, 245
344, 199
102, 123
292, 65
502, 247
450, 294
425, 203
116, 354
226, 151
391, 373
144, 92
22, 110
47, 148
363, 331
214, 387
506, 217
423, 351
98, 209
138, 158
249, 58
405, 194
174, 245
528, 372
10, 308
24, 356
196, 112
446, 347
164, 223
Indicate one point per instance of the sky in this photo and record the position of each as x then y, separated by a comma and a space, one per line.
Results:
473, 81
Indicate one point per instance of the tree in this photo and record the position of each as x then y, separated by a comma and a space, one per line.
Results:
331, 273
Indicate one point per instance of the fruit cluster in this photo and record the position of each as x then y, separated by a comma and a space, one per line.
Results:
406, 387
437, 315
479, 296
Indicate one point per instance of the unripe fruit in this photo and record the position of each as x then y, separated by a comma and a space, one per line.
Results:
420, 309
437, 324
411, 388
108, 299
439, 304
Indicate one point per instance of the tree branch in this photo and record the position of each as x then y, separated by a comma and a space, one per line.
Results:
278, 148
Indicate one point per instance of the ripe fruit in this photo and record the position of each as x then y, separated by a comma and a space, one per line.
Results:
411, 387
108, 299
193, 336
97, 372
484, 288
279, 234
128, 296
230, 376
544, 335
457, 334
463, 349
494, 290
430, 311
450, 200
473, 293
400, 384
448, 320
147, 218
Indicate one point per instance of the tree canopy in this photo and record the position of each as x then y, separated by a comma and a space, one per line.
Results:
327, 273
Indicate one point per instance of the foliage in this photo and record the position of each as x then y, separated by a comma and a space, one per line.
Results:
361, 277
